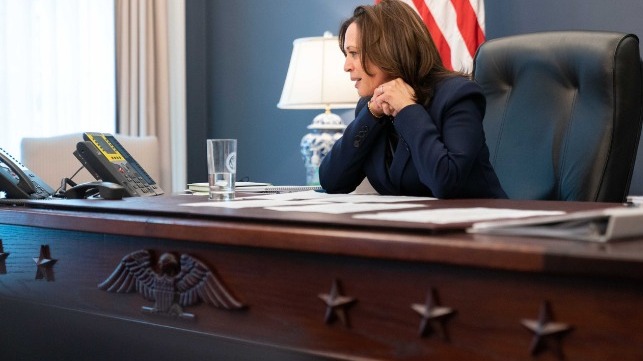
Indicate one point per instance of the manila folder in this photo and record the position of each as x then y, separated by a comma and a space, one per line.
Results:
596, 226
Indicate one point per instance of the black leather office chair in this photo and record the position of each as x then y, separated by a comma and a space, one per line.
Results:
563, 116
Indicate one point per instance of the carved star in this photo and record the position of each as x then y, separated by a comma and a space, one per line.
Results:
3, 255
44, 259
433, 313
44, 262
545, 330
336, 305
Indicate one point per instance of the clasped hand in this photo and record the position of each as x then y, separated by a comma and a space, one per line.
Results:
391, 97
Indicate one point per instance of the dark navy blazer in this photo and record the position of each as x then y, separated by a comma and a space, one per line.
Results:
441, 150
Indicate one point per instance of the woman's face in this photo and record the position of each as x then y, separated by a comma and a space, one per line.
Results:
364, 83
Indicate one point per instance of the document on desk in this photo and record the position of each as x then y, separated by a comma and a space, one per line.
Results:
336, 208
338, 203
250, 203
455, 215
312, 201
339, 198
291, 196
204, 187
595, 226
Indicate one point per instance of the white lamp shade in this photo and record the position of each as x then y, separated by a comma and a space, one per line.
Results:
316, 78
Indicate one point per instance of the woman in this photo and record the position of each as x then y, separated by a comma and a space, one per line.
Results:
418, 126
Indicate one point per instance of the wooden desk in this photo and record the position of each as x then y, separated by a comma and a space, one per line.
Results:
278, 264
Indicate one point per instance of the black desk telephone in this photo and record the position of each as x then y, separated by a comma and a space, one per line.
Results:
18, 182
105, 158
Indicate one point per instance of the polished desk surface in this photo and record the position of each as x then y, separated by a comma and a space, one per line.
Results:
279, 263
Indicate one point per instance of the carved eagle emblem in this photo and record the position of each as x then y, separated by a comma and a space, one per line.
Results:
170, 284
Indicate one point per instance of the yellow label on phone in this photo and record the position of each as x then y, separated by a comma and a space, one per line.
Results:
106, 148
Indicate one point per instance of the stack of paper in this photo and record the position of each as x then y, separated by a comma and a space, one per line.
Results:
204, 187
596, 226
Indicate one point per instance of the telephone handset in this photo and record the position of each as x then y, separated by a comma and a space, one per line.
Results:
18, 182
107, 160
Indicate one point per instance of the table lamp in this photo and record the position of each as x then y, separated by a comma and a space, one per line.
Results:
316, 80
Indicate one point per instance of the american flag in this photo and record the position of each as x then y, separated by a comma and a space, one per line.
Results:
457, 28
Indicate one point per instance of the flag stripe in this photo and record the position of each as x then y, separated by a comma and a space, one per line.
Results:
468, 25
457, 28
447, 20
478, 9
438, 38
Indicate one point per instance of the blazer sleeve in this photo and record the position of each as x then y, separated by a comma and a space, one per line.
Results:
341, 170
446, 139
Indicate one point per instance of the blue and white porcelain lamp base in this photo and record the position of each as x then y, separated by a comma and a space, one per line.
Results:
325, 130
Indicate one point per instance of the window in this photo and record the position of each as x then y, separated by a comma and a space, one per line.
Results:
57, 69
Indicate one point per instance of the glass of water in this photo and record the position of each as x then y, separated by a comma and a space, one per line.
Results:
222, 168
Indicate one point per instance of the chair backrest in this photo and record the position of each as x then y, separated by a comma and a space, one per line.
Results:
563, 116
52, 158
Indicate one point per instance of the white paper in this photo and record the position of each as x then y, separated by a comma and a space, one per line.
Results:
455, 215
247, 203
291, 196
600, 225
237, 184
376, 198
340, 208
340, 198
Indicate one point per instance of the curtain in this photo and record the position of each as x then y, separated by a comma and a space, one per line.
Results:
56, 69
150, 89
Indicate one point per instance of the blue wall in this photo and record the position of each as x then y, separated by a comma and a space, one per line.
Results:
238, 53
247, 46
508, 17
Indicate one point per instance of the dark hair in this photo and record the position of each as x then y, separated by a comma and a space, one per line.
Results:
395, 39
